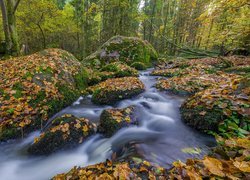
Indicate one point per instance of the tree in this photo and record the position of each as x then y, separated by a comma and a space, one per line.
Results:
8, 8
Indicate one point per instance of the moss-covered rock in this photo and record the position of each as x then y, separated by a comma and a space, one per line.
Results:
139, 66
112, 120
113, 90
120, 70
123, 49
35, 87
202, 119
65, 132
223, 107
112, 70
167, 72
192, 79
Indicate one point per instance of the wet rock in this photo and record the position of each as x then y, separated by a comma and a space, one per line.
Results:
112, 120
34, 87
113, 90
196, 118
65, 132
124, 49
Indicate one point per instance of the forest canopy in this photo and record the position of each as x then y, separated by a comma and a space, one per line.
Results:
171, 26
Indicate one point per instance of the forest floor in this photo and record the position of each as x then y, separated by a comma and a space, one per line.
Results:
218, 91
33, 88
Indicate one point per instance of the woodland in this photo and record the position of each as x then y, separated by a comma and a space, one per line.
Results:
124, 89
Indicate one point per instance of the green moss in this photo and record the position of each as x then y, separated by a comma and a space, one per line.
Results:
239, 70
58, 139
81, 79
10, 131
108, 125
124, 49
111, 120
104, 96
27, 75
139, 66
208, 122
118, 69
37, 99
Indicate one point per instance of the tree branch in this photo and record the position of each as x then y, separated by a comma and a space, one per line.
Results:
15, 7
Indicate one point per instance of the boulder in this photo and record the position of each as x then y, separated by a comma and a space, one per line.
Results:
123, 49
34, 87
65, 132
120, 70
139, 66
112, 120
113, 90
112, 70
220, 108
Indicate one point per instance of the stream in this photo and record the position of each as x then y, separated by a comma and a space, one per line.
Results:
161, 137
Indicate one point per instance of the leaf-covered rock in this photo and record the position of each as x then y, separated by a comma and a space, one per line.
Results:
112, 120
223, 107
123, 49
115, 170
112, 70
65, 132
230, 160
34, 87
113, 90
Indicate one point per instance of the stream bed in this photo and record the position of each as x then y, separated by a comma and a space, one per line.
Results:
161, 137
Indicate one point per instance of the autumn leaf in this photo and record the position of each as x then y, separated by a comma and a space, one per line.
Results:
214, 166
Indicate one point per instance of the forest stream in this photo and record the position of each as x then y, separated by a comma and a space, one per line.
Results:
161, 137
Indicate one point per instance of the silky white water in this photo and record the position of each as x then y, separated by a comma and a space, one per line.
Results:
160, 137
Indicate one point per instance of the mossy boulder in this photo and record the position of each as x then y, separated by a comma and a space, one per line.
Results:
201, 118
139, 66
65, 132
223, 107
120, 69
123, 49
112, 70
113, 90
112, 120
34, 87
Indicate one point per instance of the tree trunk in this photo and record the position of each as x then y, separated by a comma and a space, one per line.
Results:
152, 21
11, 8
6, 28
43, 35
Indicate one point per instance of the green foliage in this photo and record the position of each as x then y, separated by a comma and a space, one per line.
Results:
234, 126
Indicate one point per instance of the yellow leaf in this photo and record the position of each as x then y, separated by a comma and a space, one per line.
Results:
214, 166
243, 166
85, 128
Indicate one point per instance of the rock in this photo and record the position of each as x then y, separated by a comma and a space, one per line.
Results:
113, 90
34, 87
135, 168
123, 49
119, 70
139, 66
65, 132
220, 106
112, 120
112, 70
198, 119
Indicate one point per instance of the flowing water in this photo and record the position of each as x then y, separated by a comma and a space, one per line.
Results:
160, 137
